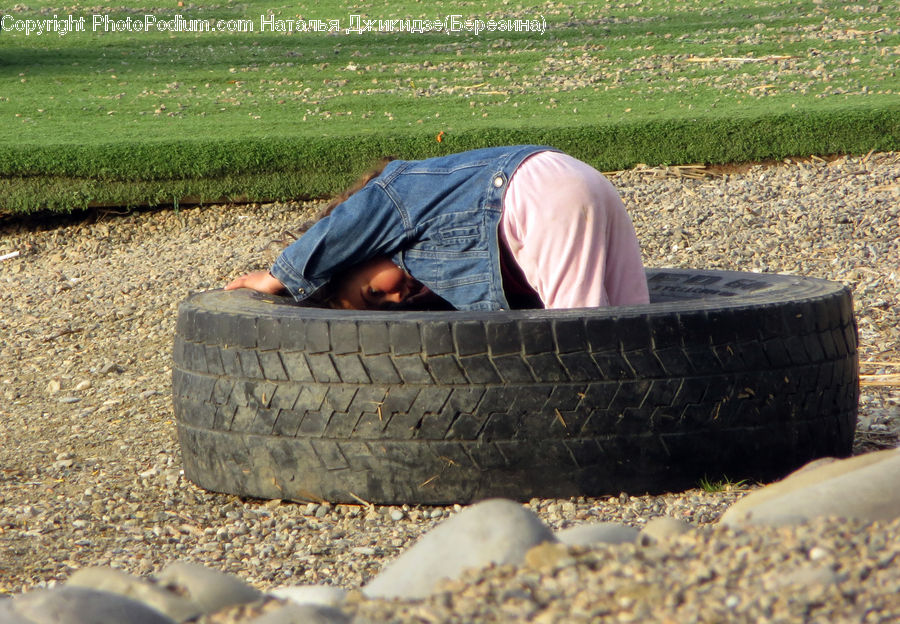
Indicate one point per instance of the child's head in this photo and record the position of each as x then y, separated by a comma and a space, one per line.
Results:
376, 284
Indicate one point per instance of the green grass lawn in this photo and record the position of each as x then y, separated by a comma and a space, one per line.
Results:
159, 116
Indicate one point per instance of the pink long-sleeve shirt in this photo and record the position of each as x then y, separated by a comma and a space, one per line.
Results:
566, 227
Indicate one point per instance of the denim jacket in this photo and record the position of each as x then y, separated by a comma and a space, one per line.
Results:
437, 219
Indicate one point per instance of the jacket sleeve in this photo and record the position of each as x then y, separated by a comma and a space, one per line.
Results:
368, 224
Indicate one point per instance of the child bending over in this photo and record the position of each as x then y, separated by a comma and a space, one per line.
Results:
488, 229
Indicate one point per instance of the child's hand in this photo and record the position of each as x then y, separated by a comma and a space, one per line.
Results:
260, 281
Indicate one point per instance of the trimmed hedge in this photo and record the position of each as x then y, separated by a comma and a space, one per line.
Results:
69, 177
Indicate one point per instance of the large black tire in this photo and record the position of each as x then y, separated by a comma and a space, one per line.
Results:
737, 374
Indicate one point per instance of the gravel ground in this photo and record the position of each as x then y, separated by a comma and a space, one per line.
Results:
823, 572
90, 466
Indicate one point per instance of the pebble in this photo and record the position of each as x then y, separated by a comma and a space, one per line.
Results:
209, 589
364, 550
599, 533
838, 220
305, 614
662, 528
110, 367
322, 595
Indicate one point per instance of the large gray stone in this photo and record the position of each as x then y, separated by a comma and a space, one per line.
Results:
8, 615
323, 595
662, 528
117, 582
863, 487
304, 614
491, 532
597, 533
77, 605
209, 589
